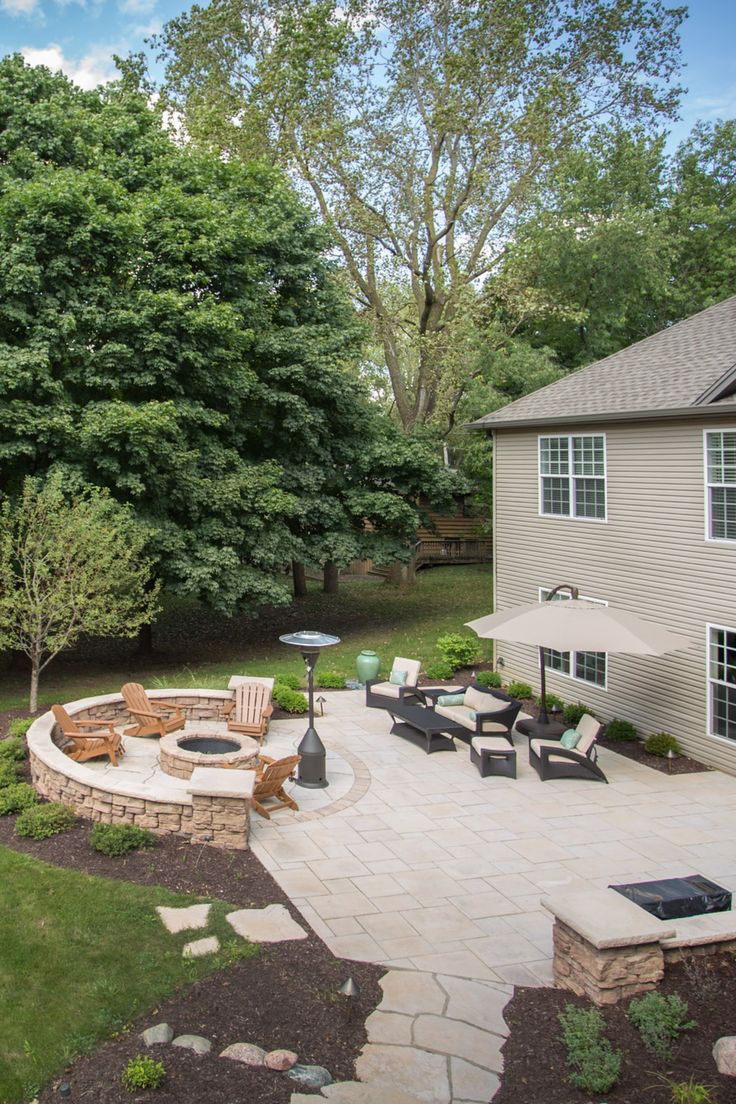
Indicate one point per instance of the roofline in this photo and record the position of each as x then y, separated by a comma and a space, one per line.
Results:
618, 416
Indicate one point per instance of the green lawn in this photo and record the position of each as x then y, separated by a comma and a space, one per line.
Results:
79, 957
199, 648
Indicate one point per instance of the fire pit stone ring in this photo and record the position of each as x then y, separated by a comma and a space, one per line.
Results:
181, 752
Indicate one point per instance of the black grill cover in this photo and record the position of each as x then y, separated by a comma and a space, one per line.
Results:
675, 898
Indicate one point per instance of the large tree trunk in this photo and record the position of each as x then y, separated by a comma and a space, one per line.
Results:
331, 576
400, 574
299, 577
33, 699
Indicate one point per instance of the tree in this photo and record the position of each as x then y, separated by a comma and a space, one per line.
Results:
422, 130
68, 566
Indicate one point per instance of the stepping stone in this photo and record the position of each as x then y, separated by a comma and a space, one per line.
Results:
355, 1092
161, 1033
471, 1083
411, 992
197, 1043
247, 1053
200, 947
272, 924
312, 1077
183, 919
280, 1059
405, 1068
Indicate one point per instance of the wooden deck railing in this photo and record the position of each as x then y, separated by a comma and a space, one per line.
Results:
454, 550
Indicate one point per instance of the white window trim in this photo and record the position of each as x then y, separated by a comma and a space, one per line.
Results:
708, 703
563, 674
571, 477
706, 495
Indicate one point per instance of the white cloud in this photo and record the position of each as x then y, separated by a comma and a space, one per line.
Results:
95, 67
137, 7
19, 7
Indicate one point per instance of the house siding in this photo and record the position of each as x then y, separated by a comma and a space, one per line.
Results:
650, 557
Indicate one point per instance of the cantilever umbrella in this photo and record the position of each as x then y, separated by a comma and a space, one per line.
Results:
576, 625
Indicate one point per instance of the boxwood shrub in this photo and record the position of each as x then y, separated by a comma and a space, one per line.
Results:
292, 701
41, 821
17, 797
118, 839
620, 730
489, 678
13, 748
662, 742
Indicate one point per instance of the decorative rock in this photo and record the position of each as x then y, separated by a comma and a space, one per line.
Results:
724, 1055
183, 919
199, 947
161, 1033
312, 1077
197, 1043
271, 924
247, 1053
280, 1059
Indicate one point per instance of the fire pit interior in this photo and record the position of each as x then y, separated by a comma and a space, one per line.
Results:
181, 752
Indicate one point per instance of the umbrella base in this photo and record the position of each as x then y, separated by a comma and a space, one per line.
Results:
535, 730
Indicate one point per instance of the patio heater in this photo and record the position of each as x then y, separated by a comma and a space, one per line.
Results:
311, 772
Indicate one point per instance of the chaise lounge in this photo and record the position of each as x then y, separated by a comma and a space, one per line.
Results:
552, 759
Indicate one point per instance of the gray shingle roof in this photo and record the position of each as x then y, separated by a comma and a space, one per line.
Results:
688, 368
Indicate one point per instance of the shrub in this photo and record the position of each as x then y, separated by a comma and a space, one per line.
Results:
292, 682
331, 680
142, 1072
595, 1064
292, 701
457, 650
440, 669
553, 701
118, 839
620, 730
20, 726
519, 690
571, 714
13, 749
660, 743
16, 798
9, 773
489, 678
690, 1092
41, 821
659, 1020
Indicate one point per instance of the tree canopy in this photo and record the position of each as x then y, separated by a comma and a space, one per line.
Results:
423, 131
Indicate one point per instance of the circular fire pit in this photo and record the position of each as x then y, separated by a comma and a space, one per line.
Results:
181, 752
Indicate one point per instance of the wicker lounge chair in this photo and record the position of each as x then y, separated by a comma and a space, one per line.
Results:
103, 740
270, 784
384, 695
151, 715
250, 710
551, 760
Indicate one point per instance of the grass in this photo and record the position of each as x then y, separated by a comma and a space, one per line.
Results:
199, 648
81, 956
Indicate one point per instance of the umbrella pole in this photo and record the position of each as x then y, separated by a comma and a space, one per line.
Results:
543, 718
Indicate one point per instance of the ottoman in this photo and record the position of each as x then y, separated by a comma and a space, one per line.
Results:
493, 755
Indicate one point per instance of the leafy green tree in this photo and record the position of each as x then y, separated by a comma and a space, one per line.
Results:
423, 131
69, 565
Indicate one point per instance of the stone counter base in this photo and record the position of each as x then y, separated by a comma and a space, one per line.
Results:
605, 975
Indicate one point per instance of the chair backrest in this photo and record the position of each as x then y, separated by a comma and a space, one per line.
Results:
589, 729
484, 700
238, 680
64, 721
411, 666
251, 698
275, 775
135, 698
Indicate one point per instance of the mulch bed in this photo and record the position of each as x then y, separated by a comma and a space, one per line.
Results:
634, 749
285, 997
534, 1055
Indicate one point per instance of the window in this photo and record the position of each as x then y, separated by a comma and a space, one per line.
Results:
720, 475
722, 681
586, 666
572, 476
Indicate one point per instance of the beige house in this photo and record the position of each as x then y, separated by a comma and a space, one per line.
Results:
621, 480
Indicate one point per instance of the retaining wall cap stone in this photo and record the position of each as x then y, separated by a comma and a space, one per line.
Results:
607, 919
216, 782
713, 927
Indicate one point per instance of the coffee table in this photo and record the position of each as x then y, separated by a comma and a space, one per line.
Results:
426, 728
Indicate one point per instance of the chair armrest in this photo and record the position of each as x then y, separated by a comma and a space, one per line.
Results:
99, 735
267, 711
408, 692
373, 682
98, 725
498, 716
228, 708
564, 753
266, 759
167, 705
144, 713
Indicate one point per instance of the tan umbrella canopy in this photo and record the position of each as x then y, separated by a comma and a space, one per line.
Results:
577, 625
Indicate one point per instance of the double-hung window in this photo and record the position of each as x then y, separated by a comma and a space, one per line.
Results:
720, 476
722, 681
586, 666
572, 476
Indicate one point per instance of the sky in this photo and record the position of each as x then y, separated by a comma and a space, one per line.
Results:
81, 36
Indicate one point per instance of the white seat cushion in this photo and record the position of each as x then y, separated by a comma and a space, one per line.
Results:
484, 703
491, 743
536, 746
386, 689
457, 713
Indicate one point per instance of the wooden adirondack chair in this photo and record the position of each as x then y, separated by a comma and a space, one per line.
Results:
151, 715
270, 784
104, 740
250, 709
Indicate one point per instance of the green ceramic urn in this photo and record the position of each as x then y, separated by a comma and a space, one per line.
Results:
367, 664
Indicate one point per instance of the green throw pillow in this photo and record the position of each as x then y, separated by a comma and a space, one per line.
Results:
398, 678
472, 714
451, 699
570, 738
